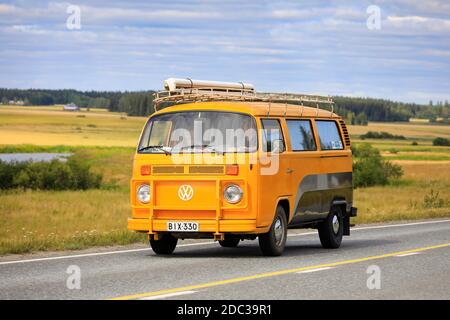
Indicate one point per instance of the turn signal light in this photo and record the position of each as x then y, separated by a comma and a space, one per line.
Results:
232, 170
146, 170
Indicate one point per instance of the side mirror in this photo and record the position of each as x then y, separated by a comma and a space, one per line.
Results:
277, 146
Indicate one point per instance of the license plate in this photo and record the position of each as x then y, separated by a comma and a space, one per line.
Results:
181, 226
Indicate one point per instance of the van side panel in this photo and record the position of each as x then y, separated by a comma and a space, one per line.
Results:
325, 178
316, 193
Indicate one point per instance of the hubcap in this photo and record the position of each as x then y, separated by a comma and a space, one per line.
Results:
335, 224
278, 230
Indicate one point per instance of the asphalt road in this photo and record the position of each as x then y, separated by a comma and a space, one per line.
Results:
411, 261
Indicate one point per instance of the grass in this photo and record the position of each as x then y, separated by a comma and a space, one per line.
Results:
393, 149
41, 220
407, 200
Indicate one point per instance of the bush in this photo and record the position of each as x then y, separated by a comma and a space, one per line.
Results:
370, 169
54, 175
393, 150
381, 135
441, 142
414, 143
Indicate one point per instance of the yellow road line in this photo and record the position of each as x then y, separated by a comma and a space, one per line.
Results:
275, 273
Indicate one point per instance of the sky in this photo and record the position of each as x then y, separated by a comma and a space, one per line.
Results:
327, 47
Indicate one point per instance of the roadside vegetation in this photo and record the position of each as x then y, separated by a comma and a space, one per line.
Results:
72, 174
370, 169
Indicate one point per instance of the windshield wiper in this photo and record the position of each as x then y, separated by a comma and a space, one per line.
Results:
157, 147
192, 146
203, 146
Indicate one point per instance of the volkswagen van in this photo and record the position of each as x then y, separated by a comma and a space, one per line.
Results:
227, 163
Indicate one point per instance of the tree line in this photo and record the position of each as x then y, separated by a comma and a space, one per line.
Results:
354, 110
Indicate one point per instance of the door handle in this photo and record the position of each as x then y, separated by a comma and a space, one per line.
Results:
289, 170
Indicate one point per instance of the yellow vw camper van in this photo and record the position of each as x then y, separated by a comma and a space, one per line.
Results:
223, 161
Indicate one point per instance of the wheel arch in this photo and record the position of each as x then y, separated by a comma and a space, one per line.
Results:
284, 202
342, 203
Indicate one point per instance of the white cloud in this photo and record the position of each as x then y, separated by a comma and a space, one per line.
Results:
324, 46
7, 9
418, 24
110, 13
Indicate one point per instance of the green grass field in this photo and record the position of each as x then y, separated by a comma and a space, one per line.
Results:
48, 220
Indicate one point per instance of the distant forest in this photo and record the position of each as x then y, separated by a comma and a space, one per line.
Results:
354, 110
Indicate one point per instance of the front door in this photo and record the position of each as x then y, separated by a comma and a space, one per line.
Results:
274, 175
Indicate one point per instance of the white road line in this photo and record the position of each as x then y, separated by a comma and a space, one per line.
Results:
167, 295
315, 270
399, 225
95, 254
407, 254
208, 243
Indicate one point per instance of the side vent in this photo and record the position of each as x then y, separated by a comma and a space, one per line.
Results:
345, 131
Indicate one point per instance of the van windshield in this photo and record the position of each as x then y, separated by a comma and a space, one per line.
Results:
199, 131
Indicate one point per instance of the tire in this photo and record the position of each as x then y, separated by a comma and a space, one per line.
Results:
273, 242
331, 229
229, 243
165, 245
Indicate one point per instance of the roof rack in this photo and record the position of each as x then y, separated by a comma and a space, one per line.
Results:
230, 92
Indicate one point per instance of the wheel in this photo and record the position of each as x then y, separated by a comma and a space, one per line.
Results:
165, 245
331, 229
273, 242
229, 243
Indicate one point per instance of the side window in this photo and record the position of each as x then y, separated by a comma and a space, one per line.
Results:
302, 136
329, 136
271, 133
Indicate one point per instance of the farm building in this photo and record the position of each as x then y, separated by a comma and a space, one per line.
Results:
71, 107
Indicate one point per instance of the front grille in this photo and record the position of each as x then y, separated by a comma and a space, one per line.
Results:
168, 170
206, 169
162, 170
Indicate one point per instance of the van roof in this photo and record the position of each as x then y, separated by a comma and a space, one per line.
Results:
254, 108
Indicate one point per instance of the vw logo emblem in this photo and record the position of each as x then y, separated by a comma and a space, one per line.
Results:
185, 192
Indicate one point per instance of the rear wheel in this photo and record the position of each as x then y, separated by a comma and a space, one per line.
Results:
273, 242
331, 229
229, 243
165, 245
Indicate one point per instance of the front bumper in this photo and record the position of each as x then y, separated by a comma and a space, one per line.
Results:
206, 226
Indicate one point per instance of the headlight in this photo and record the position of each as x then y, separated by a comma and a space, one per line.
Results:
233, 193
143, 193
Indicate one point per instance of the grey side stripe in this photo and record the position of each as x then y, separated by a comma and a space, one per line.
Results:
322, 182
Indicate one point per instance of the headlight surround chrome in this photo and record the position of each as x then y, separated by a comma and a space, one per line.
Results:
143, 193
233, 193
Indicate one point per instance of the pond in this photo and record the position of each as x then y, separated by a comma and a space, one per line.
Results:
34, 157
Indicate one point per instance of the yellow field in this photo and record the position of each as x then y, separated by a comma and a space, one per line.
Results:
51, 126
44, 220
410, 130
407, 201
